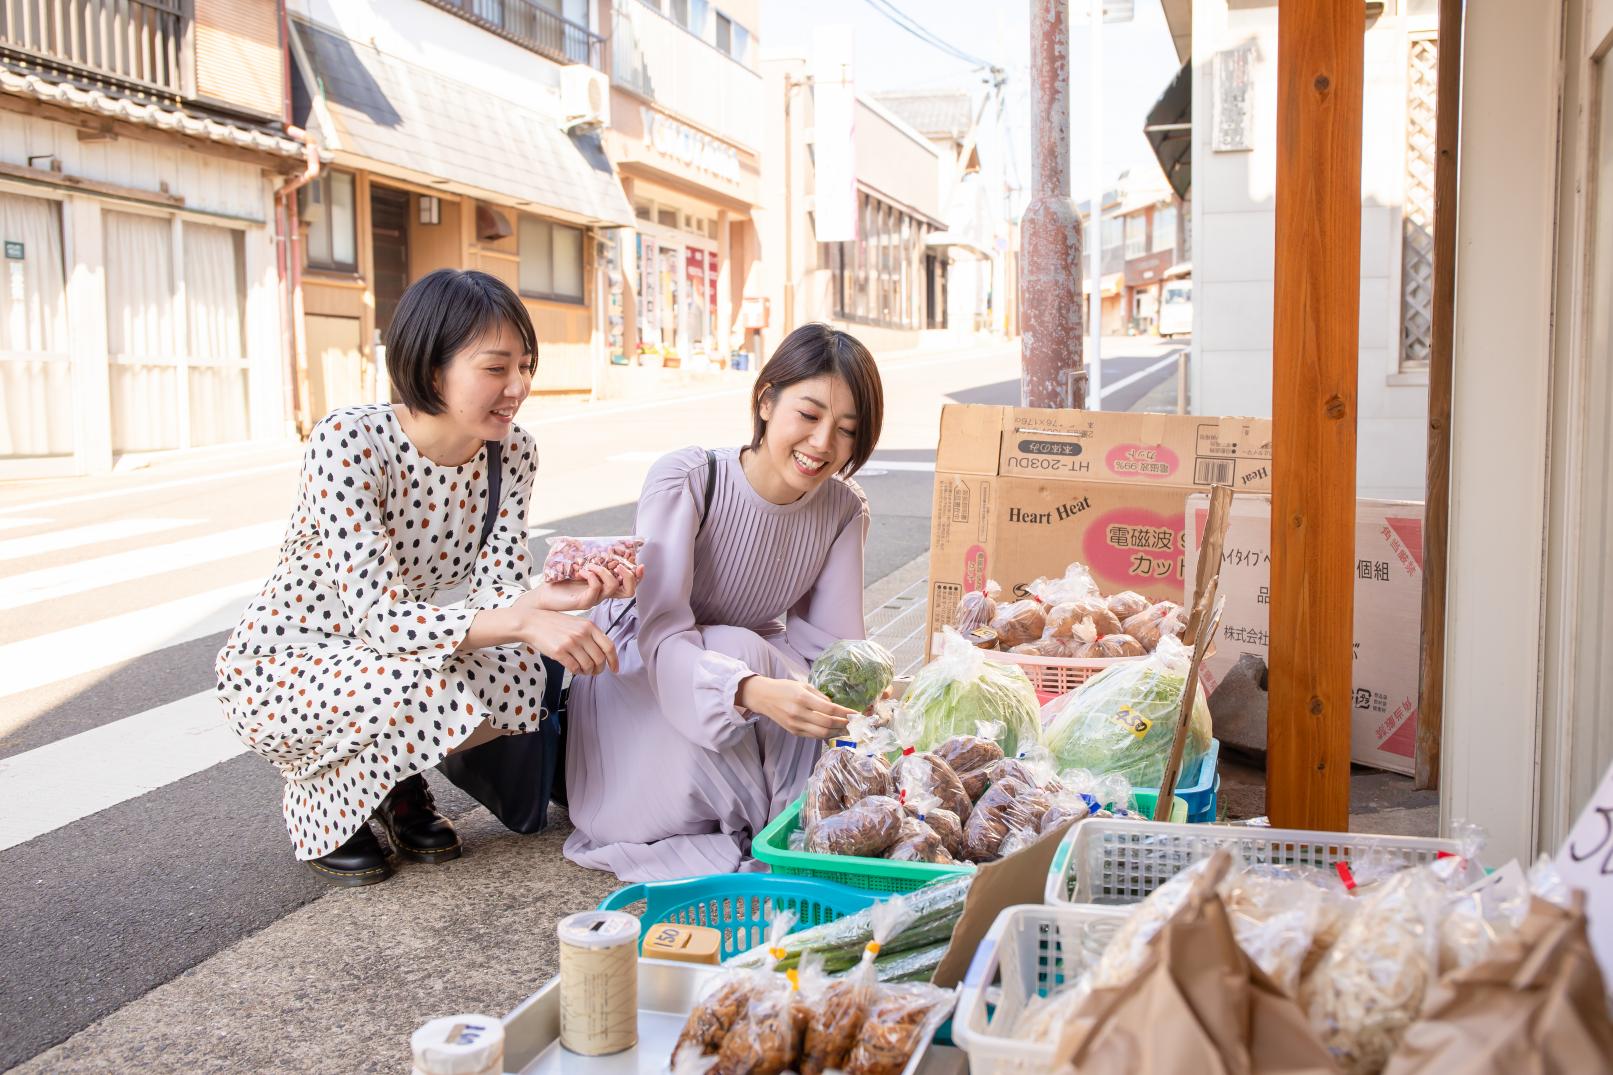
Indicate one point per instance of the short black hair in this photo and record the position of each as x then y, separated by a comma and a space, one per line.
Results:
815, 350
440, 315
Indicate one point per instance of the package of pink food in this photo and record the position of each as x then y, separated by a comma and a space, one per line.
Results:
569, 555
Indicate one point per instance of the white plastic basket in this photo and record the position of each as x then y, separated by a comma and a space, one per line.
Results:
1028, 952
1117, 861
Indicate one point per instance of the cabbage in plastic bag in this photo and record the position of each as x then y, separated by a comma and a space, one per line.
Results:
958, 690
854, 673
1123, 719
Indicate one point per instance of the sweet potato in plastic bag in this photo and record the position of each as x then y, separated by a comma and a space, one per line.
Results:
971, 757
928, 772
917, 842
1127, 604
1062, 618
866, 828
1018, 622
990, 821
899, 1022
843, 776
569, 555
1166, 618
943, 822
977, 608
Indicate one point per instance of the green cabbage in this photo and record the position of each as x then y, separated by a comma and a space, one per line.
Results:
1123, 719
854, 673
962, 689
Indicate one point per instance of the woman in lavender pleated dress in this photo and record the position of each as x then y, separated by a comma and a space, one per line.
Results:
753, 564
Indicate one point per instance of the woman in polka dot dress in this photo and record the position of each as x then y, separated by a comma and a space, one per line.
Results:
345, 672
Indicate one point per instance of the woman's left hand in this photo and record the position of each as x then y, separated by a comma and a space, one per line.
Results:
597, 584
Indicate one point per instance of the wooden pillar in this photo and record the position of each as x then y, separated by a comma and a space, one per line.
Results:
1317, 297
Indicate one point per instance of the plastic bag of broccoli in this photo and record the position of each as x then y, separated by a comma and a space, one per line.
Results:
1123, 719
958, 690
854, 672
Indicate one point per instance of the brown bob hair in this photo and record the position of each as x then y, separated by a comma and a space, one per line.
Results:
440, 315
815, 350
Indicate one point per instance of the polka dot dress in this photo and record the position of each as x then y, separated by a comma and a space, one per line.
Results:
343, 672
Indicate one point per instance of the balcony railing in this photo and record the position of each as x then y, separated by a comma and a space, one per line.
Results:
138, 44
531, 26
660, 60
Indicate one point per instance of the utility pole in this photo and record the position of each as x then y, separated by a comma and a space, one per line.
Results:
1051, 368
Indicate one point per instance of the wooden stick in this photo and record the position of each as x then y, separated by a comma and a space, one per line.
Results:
1210, 546
1190, 694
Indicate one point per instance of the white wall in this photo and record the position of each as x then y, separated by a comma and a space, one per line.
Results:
1234, 220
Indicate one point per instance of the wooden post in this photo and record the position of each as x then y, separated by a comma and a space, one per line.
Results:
1437, 518
1314, 358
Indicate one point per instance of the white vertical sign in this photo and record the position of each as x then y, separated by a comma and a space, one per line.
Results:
1586, 862
834, 112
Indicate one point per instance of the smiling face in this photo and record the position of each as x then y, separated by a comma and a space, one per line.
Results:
485, 382
811, 434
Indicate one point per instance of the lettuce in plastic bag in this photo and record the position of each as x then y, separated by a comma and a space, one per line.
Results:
1123, 719
958, 690
854, 673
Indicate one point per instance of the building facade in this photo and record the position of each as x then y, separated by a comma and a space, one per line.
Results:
459, 134
686, 128
138, 188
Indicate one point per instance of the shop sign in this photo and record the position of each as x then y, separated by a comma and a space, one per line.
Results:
14, 250
672, 139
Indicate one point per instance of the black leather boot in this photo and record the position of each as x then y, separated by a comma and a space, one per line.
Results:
413, 825
360, 861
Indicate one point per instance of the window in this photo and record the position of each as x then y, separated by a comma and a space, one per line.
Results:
740, 47
698, 10
1136, 235
551, 260
326, 206
667, 218
1165, 228
1114, 235
725, 33
875, 279
680, 12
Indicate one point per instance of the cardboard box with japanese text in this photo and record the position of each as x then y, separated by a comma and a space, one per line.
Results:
1022, 492
1388, 620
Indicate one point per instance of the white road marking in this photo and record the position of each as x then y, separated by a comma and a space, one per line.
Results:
1168, 360
52, 582
18, 524
79, 536
131, 490
57, 784
75, 651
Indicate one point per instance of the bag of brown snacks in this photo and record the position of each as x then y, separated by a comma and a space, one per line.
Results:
929, 772
842, 777
900, 1021
868, 827
971, 757
569, 555
716, 1016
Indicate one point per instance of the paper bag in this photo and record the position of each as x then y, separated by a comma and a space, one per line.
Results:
1537, 1005
1199, 1005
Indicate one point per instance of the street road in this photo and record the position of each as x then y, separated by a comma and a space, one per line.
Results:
137, 837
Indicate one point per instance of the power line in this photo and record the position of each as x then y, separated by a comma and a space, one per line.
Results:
906, 22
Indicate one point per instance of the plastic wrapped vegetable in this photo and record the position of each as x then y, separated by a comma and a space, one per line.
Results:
569, 555
1019, 622
1164, 619
1123, 719
977, 608
723, 1007
971, 757
842, 1005
929, 773
867, 828
853, 673
953, 694
1127, 604
843, 776
901, 1020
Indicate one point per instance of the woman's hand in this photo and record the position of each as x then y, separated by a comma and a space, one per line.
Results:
577, 644
597, 584
795, 707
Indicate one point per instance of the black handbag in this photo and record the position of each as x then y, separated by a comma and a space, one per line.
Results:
516, 776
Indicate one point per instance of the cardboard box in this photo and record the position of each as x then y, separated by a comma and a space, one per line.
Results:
1388, 620
1023, 492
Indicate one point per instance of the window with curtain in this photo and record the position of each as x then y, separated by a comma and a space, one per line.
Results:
327, 208
36, 372
551, 260
142, 333
215, 334
1164, 228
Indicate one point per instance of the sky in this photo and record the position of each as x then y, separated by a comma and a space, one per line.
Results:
1139, 61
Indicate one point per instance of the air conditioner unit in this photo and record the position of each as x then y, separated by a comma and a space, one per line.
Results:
584, 96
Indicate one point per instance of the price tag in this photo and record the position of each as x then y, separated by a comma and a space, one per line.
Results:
1586, 862
1134, 722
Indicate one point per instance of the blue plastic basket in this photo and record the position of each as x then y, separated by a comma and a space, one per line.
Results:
1200, 793
739, 904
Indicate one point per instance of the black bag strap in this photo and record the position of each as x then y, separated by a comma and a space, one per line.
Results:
495, 478
705, 509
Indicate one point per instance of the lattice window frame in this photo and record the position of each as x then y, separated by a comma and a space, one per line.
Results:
1417, 203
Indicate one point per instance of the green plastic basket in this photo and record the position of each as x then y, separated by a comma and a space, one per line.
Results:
772, 846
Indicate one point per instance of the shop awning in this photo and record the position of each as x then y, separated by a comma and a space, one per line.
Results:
371, 106
1169, 130
1113, 284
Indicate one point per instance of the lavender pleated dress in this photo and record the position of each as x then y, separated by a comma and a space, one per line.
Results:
667, 778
